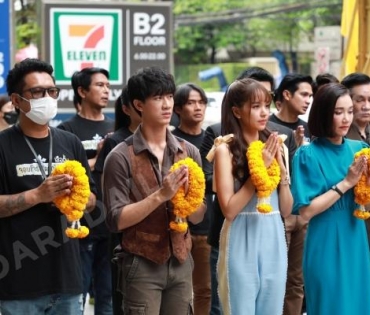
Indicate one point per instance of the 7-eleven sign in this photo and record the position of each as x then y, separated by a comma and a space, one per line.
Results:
86, 38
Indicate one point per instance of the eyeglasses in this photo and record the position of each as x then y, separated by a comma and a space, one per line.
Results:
39, 92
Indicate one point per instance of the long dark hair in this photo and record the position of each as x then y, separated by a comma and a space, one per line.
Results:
121, 118
240, 93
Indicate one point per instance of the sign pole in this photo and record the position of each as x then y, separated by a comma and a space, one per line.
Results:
5, 42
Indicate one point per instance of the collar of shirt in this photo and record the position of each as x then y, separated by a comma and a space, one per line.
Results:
140, 144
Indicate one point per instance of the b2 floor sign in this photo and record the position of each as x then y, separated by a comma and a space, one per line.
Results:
121, 38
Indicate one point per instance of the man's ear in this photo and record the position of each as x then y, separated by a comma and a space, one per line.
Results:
287, 95
81, 92
138, 105
177, 110
15, 100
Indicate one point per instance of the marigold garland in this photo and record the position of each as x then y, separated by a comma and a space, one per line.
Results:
74, 204
264, 179
186, 204
362, 190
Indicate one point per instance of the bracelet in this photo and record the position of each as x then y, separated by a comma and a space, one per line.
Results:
335, 188
285, 181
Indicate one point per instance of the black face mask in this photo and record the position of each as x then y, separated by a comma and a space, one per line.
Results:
11, 117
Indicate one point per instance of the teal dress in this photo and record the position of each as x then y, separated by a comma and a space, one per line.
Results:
336, 260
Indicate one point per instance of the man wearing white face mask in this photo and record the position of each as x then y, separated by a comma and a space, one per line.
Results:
40, 269
43, 105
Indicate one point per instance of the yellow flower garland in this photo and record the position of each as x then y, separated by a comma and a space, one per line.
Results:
362, 190
74, 204
185, 205
264, 179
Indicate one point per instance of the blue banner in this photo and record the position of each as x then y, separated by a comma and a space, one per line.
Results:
5, 46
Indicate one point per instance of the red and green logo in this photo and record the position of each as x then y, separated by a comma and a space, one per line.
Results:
83, 38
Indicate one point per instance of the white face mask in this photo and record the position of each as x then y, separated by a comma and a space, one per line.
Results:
42, 110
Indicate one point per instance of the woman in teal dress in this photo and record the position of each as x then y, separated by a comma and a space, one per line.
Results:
336, 260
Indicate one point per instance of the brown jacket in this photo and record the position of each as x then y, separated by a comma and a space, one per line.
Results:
130, 175
151, 238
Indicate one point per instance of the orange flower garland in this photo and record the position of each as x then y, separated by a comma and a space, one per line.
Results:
74, 204
186, 204
362, 190
264, 179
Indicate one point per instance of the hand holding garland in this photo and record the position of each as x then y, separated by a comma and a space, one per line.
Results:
54, 186
189, 197
267, 171
360, 173
134, 213
265, 176
324, 201
73, 204
270, 149
50, 188
173, 181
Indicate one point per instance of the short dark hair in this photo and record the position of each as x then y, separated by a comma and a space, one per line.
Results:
182, 93
320, 120
83, 79
355, 79
120, 118
150, 81
322, 79
15, 79
259, 74
291, 83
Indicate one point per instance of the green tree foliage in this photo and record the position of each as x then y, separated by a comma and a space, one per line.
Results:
27, 28
247, 35
198, 43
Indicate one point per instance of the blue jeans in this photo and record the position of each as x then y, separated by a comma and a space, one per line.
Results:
215, 302
95, 259
54, 304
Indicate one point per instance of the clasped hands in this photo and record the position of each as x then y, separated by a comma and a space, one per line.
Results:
355, 171
273, 149
174, 180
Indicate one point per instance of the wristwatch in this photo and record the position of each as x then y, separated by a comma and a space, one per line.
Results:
335, 188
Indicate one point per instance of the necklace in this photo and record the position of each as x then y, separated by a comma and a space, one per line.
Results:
37, 158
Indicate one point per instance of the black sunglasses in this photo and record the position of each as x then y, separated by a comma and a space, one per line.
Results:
39, 92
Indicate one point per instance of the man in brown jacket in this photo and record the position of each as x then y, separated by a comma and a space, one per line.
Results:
156, 265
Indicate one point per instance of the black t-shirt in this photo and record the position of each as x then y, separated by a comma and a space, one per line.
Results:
293, 126
36, 258
110, 142
195, 140
202, 227
91, 132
